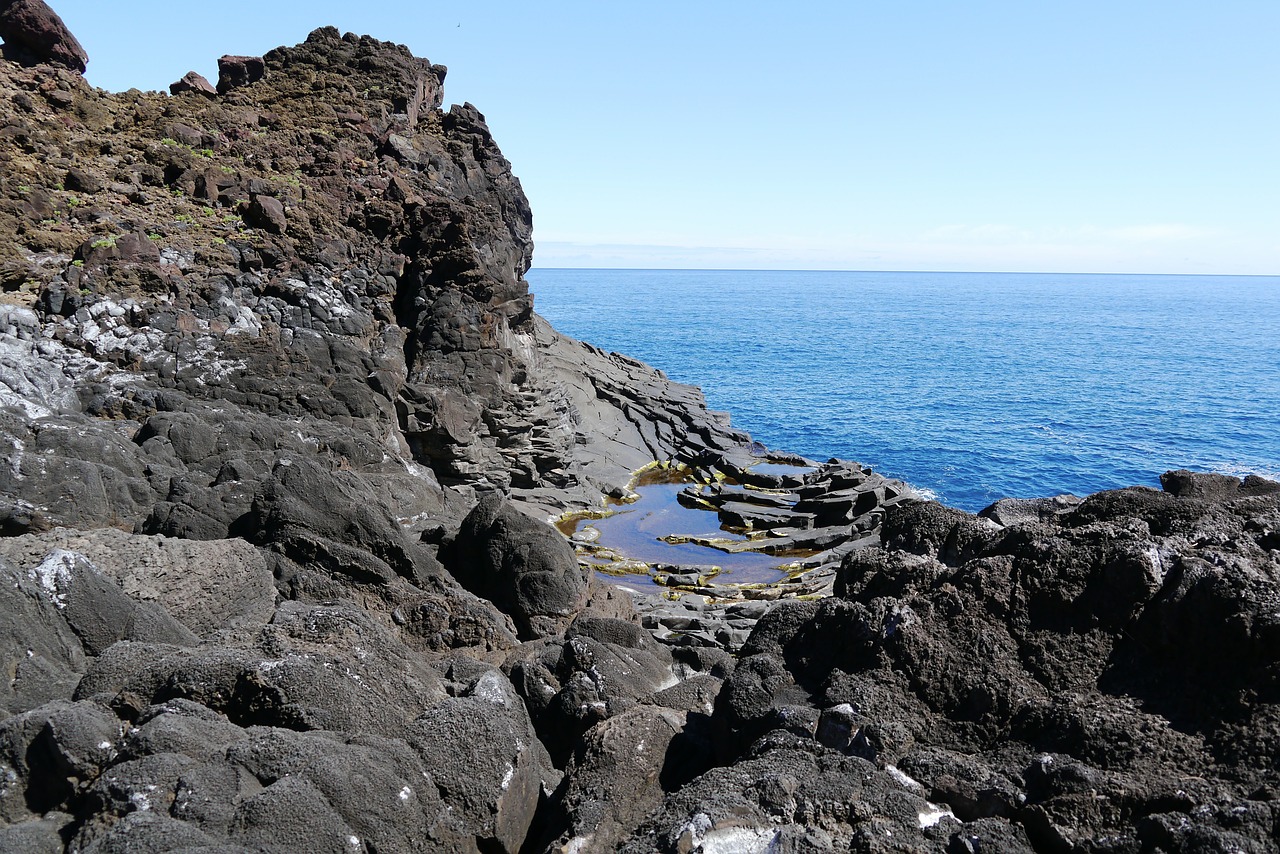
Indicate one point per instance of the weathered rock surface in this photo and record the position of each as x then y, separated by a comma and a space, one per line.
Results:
280, 433
192, 82
520, 564
34, 33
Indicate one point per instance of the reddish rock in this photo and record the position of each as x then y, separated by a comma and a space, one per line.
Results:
236, 71
33, 33
267, 213
192, 82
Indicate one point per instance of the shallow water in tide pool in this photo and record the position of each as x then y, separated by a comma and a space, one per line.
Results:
634, 530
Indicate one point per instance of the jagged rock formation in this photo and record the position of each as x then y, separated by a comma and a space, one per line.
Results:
33, 33
275, 406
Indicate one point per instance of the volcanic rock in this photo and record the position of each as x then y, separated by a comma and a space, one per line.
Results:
521, 565
34, 33
235, 71
192, 82
282, 434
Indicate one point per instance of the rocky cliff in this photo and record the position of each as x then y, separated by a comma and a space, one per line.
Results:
282, 432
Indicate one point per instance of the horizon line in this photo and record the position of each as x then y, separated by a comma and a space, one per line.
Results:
936, 272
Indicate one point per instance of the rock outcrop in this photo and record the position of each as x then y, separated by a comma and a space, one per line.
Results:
282, 432
33, 33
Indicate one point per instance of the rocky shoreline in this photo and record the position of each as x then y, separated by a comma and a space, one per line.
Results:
283, 436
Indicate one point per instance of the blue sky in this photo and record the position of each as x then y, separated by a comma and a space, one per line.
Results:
889, 135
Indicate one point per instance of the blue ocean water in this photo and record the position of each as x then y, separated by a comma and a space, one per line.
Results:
973, 386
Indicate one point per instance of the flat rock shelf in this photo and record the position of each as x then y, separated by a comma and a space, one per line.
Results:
751, 528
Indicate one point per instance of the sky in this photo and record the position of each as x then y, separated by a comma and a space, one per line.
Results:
1080, 136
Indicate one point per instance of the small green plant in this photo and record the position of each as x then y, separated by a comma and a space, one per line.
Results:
218, 241
58, 186
187, 218
177, 192
24, 188
73, 202
205, 152
153, 235
208, 211
103, 243
231, 218
227, 170
77, 263
169, 141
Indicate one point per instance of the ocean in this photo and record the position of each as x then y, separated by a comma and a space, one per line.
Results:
970, 386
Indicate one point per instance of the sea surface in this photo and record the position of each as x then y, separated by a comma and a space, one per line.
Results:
973, 386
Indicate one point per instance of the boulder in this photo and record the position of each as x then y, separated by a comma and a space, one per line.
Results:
618, 774
33, 33
267, 213
486, 761
1214, 487
315, 667
792, 795
335, 521
192, 82
236, 71
207, 586
37, 647
572, 684
523, 566
48, 753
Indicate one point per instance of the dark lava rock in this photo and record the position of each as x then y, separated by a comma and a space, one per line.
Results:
233, 458
192, 82
266, 213
1214, 487
520, 564
236, 71
33, 33
620, 772
789, 795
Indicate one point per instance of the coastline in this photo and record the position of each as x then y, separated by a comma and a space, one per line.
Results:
282, 434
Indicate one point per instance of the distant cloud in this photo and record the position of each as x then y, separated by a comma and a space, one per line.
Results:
1090, 233
1160, 231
